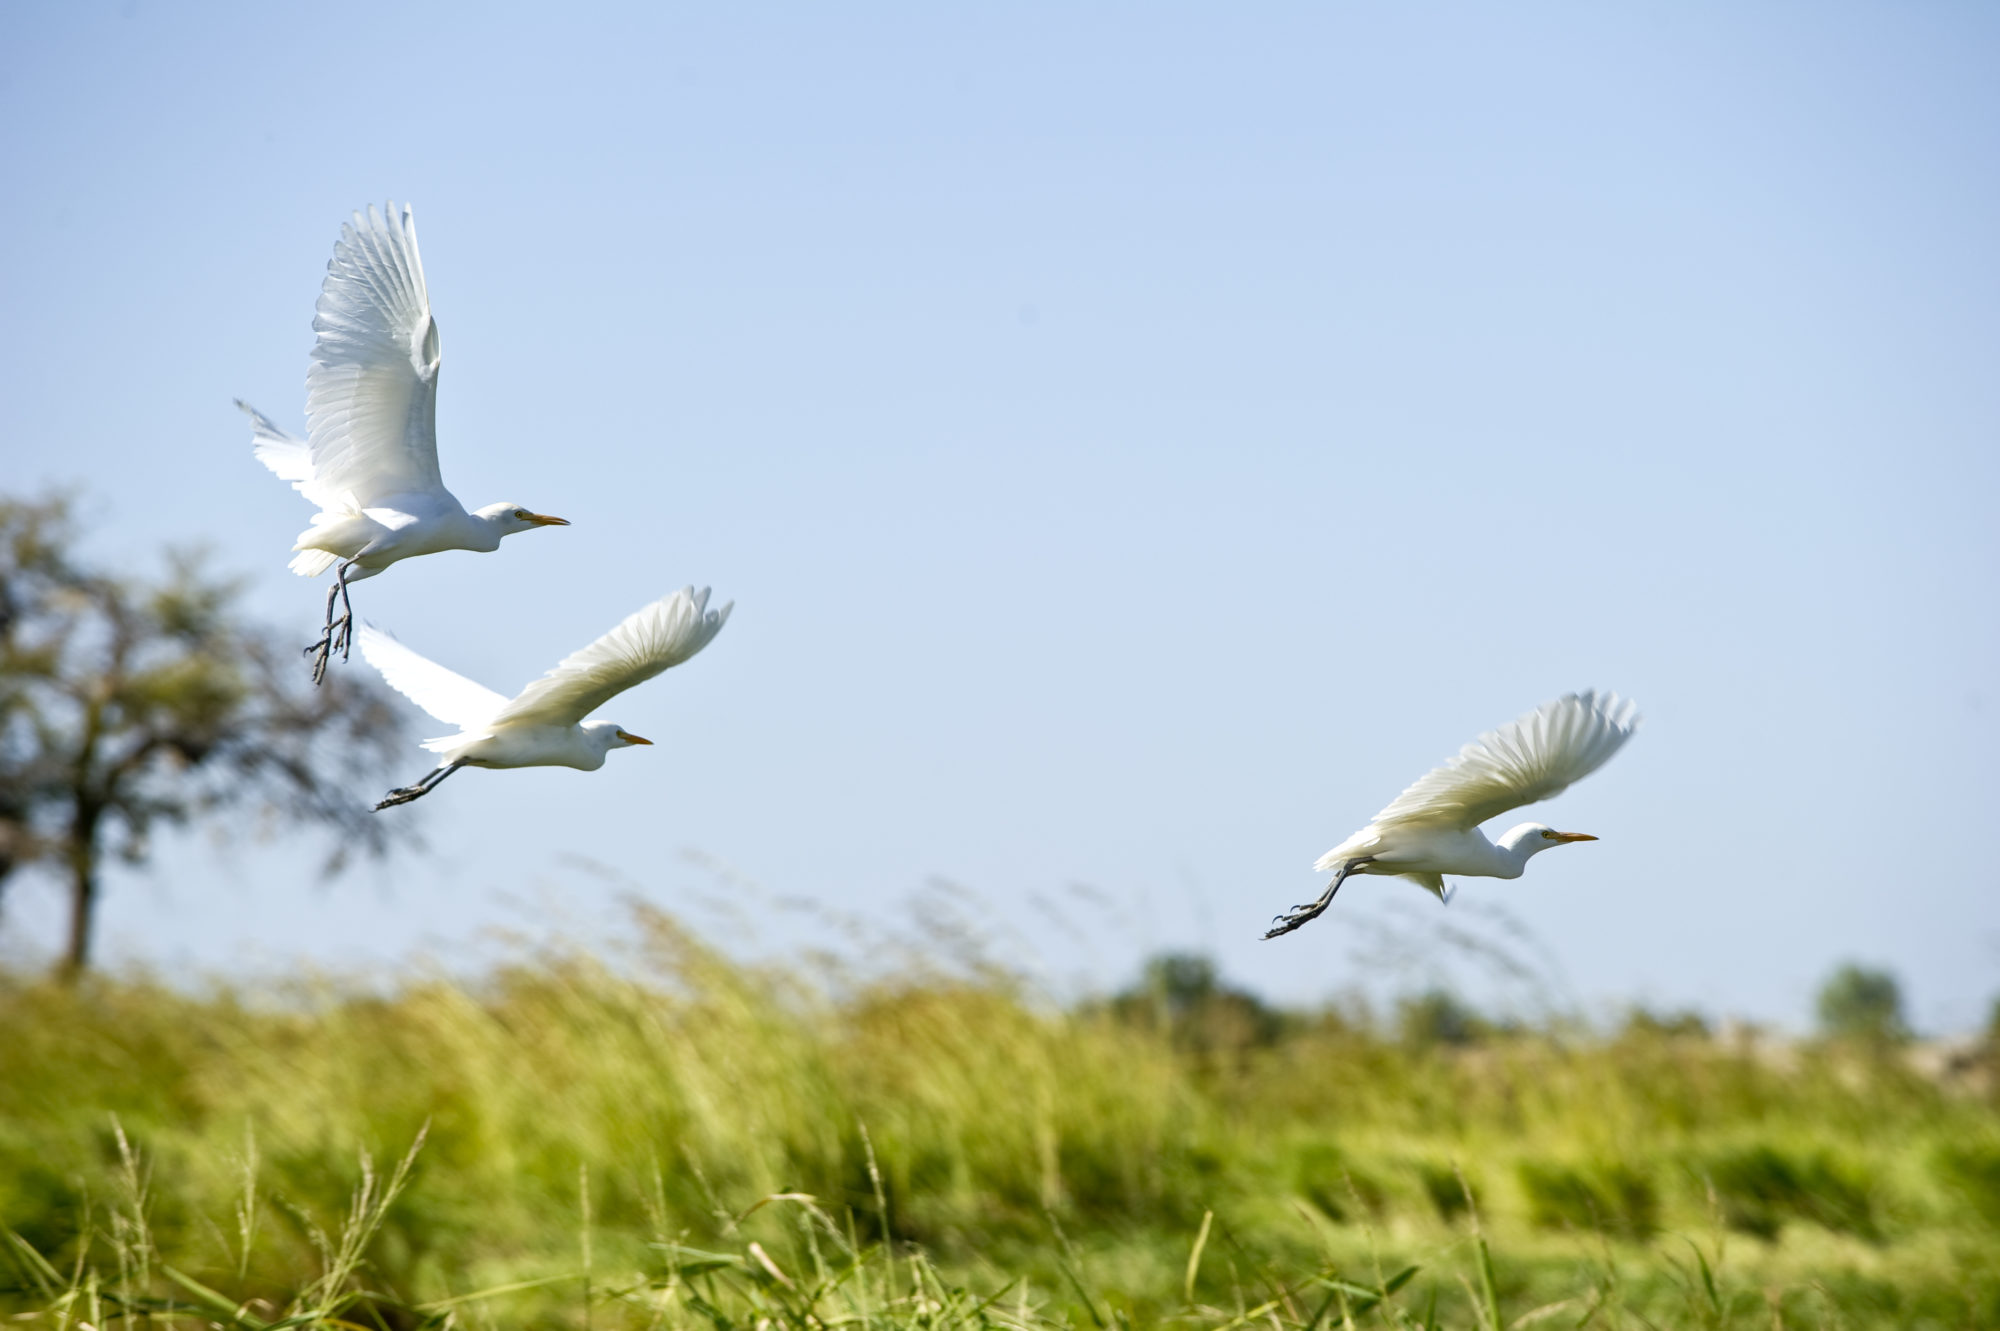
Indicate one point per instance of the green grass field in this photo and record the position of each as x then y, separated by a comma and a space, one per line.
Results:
676, 1140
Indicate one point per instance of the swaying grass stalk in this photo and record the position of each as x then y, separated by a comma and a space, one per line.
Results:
673, 1139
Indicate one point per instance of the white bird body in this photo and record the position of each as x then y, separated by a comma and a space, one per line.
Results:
546, 724
401, 527
1425, 848
581, 746
369, 461
1432, 828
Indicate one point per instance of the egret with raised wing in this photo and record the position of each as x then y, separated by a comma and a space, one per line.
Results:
1432, 829
369, 458
545, 725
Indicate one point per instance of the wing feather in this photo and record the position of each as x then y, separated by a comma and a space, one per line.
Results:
1529, 759
445, 694
371, 394
290, 458
648, 641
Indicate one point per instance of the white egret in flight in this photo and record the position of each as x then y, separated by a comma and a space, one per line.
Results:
544, 725
1432, 828
369, 459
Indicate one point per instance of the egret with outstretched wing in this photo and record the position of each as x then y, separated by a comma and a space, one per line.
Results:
369, 459
1432, 829
545, 725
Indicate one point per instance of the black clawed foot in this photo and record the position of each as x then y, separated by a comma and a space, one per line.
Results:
404, 794
1312, 910
1298, 915
321, 652
335, 639
1284, 924
338, 636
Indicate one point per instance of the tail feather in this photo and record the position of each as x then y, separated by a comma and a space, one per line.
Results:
312, 563
1351, 849
1434, 884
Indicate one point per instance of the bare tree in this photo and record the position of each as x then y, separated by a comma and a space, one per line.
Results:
126, 704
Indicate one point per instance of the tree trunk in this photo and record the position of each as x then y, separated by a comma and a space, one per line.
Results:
82, 897
82, 904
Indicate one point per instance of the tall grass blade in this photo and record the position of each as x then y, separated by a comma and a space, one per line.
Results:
1194, 1256
214, 1300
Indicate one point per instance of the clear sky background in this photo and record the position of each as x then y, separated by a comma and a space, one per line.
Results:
1139, 440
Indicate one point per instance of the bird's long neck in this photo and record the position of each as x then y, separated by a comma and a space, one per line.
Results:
488, 528
1518, 845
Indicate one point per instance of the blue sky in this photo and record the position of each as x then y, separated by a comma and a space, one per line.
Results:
1139, 439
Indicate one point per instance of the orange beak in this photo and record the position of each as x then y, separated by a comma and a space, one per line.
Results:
630, 738
1575, 836
544, 520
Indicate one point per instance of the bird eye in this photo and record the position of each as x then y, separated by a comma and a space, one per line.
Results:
521, 513
1548, 834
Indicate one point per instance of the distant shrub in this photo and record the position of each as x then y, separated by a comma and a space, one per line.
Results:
1857, 1003
1762, 1188
1183, 995
1611, 1198
1437, 1017
1685, 1023
1972, 1173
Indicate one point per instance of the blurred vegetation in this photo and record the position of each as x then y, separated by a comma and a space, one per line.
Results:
1857, 1003
127, 703
1181, 995
662, 1137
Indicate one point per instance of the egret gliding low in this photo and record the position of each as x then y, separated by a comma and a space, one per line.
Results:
1432, 828
369, 459
544, 725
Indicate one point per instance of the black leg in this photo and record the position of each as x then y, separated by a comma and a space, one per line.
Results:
346, 637
404, 794
337, 636
1301, 915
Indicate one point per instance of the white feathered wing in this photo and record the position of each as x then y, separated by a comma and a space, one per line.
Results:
648, 641
644, 644
445, 694
290, 458
285, 455
1534, 757
371, 393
